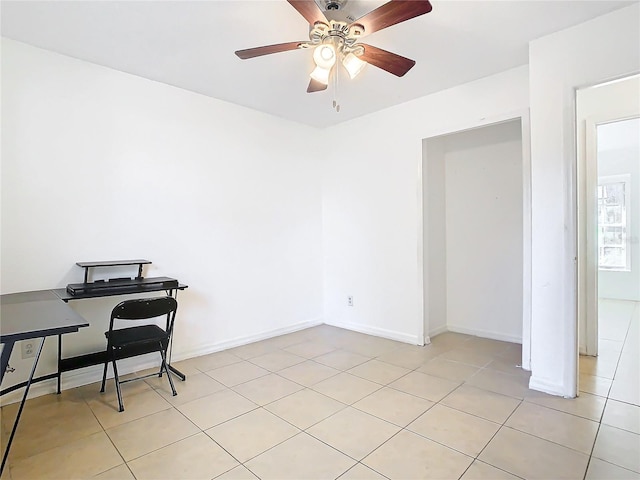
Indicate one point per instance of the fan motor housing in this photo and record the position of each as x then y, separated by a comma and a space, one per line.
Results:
333, 5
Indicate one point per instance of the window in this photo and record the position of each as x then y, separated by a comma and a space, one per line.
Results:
613, 223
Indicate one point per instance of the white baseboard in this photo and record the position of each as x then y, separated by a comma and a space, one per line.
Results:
478, 332
546, 386
438, 331
379, 332
88, 375
178, 355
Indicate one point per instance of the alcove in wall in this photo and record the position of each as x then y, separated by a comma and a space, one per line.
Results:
475, 232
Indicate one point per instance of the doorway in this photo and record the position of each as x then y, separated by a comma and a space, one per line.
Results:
476, 232
608, 201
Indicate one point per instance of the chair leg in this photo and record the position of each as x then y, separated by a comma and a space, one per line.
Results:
163, 354
117, 380
104, 377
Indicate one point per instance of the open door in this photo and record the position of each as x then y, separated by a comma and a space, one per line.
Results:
605, 234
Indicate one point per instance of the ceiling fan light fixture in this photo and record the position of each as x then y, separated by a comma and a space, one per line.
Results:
321, 75
325, 56
353, 65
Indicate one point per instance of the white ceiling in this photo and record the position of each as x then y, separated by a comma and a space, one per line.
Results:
191, 44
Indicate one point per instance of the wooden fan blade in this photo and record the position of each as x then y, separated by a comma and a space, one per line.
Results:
393, 12
309, 10
315, 86
268, 49
391, 62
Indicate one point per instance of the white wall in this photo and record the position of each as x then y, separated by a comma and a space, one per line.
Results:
372, 202
102, 165
483, 183
434, 210
589, 53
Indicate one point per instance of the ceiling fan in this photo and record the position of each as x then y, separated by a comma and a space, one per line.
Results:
336, 40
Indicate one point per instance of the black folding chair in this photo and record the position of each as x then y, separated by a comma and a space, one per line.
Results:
140, 339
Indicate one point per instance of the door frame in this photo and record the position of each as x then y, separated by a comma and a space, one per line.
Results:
523, 116
587, 208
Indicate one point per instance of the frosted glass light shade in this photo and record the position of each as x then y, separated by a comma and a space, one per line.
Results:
353, 65
321, 75
325, 56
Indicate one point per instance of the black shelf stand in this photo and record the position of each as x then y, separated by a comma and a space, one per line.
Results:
112, 287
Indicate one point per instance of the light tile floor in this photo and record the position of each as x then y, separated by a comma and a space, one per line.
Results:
327, 403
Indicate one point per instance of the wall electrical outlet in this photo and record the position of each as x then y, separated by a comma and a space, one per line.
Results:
28, 349
350, 301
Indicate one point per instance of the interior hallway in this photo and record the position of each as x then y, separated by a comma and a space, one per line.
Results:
327, 403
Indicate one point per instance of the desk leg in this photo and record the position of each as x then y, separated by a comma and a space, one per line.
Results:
59, 362
4, 362
24, 399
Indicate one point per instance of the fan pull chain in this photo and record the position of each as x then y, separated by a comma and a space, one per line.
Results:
336, 105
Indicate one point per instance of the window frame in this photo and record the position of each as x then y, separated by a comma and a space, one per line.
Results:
609, 180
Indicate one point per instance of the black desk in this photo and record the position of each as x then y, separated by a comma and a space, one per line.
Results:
27, 315
126, 288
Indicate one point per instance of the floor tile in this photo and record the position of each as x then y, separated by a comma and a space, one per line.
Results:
252, 350
516, 386
531, 457
300, 457
450, 340
622, 415
510, 368
197, 457
353, 432
425, 386
237, 373
360, 472
595, 385
139, 437
394, 406
209, 411
409, 456
601, 470
626, 385
597, 367
275, 361
308, 373
586, 405
346, 388
212, 361
456, 371
238, 473
195, 386
85, 457
48, 424
267, 389
487, 346
250, 434
305, 408
371, 346
569, 430
489, 405
341, 359
410, 357
481, 471
310, 349
619, 447
455, 429
469, 357
379, 372
120, 472
135, 406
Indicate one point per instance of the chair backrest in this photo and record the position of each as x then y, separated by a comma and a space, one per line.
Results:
145, 308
